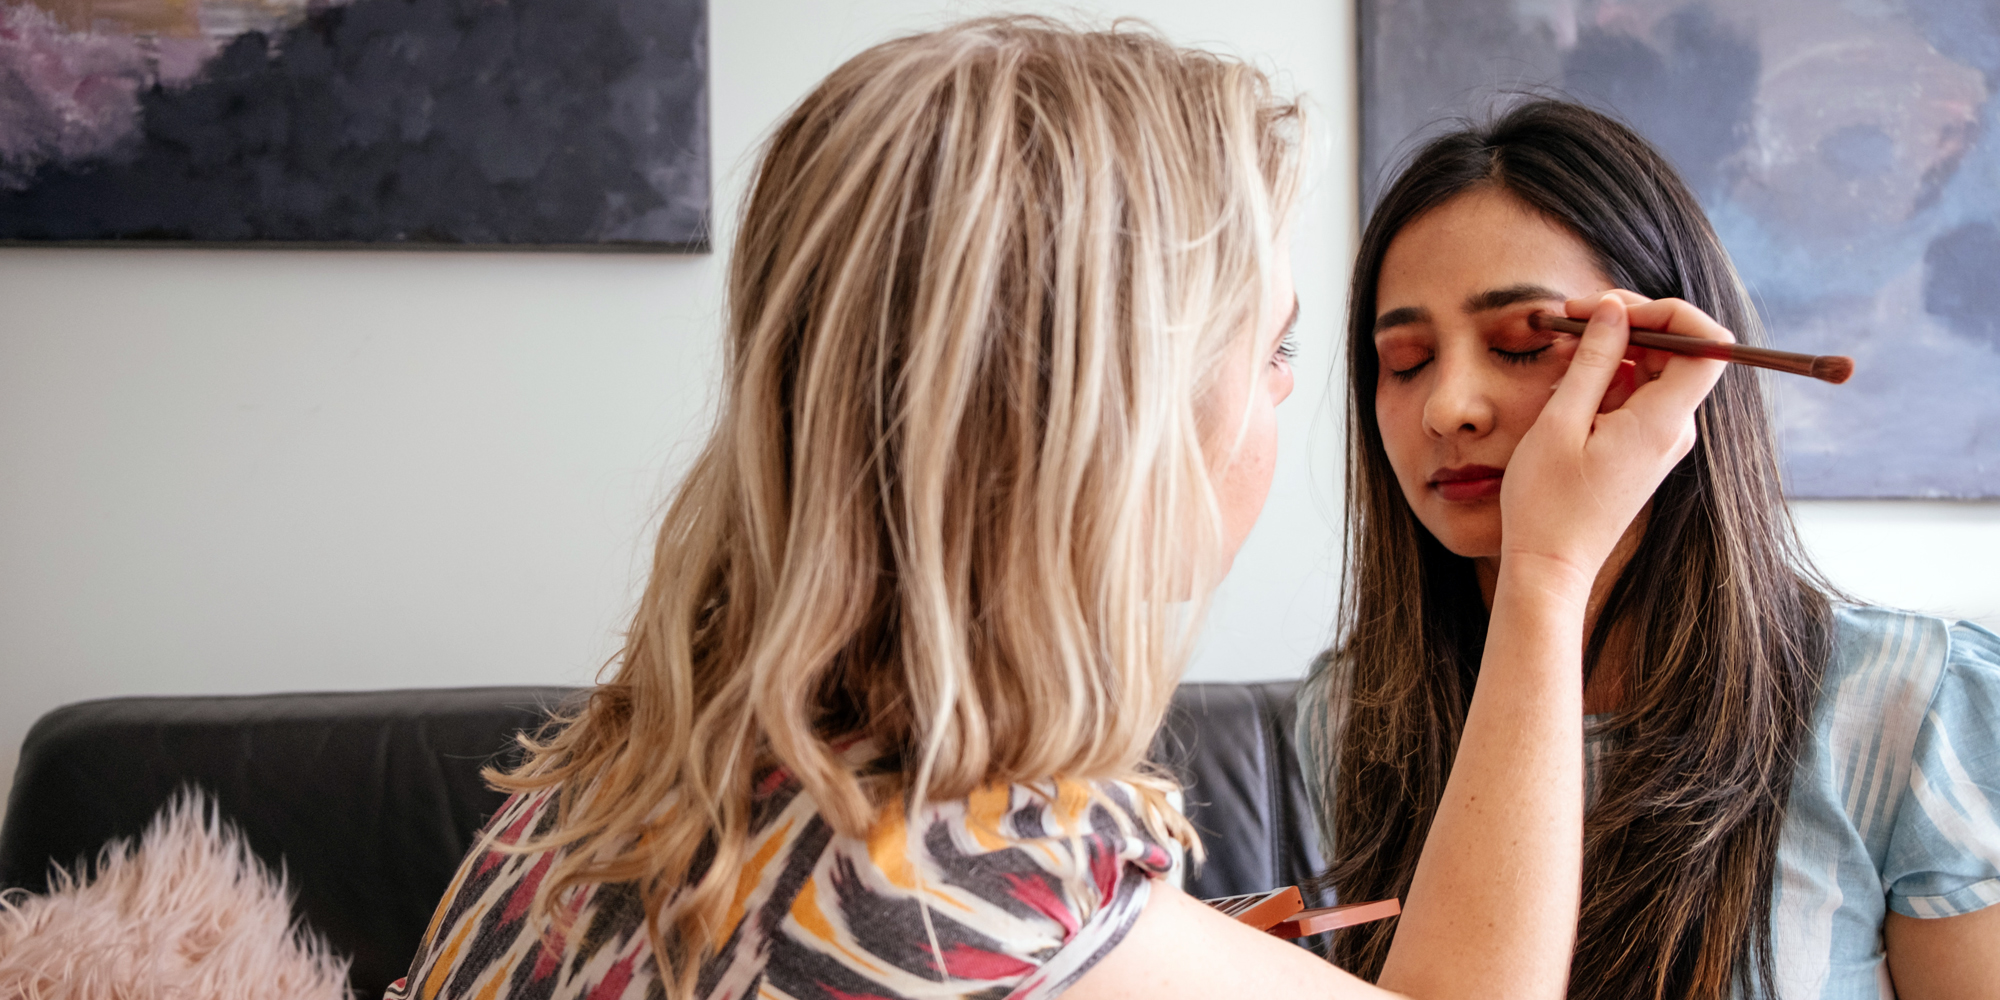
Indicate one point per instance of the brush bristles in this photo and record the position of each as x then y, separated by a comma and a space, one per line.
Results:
1832, 368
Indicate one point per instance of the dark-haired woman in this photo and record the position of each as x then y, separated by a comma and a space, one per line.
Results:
1788, 795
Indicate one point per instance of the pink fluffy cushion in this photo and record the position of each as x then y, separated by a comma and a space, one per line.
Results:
190, 914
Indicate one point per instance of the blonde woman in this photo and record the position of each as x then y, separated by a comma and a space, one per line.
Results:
1008, 321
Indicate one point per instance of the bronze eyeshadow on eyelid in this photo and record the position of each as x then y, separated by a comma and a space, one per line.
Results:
1525, 339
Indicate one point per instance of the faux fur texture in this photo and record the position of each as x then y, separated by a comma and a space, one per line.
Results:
190, 914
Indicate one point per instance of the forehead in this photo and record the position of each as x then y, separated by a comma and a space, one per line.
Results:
1481, 240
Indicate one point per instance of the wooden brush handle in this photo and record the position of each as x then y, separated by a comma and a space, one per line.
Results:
1696, 347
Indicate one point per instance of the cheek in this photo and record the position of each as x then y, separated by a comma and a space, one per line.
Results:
1279, 386
1518, 401
1242, 468
1399, 416
1267, 445
1256, 464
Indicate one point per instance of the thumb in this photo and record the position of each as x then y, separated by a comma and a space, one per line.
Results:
1593, 366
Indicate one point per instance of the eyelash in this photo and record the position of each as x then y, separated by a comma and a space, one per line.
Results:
1288, 347
1511, 357
1521, 357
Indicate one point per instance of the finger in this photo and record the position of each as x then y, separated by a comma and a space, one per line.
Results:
1627, 381
1581, 308
1596, 361
1650, 362
1669, 399
1677, 316
1670, 314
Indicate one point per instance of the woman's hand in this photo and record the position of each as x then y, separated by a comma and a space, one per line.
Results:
1620, 419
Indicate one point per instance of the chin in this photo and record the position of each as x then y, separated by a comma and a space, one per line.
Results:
1470, 540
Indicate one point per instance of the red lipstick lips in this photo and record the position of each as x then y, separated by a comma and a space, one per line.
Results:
1467, 482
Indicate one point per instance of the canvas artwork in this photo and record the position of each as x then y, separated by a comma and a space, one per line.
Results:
523, 123
1848, 154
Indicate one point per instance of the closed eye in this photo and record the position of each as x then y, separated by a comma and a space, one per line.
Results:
1402, 356
1522, 357
1407, 373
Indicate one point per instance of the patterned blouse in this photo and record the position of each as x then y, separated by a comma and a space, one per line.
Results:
1026, 887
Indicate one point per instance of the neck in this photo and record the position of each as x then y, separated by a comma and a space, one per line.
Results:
1605, 690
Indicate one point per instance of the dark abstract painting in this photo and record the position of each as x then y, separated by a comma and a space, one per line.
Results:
530, 123
1848, 153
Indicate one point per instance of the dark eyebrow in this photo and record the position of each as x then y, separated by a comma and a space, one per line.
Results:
1501, 298
1402, 317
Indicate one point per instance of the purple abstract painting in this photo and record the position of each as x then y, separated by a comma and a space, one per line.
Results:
451, 123
1848, 153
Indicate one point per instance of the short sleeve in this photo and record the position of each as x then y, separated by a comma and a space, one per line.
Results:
1016, 891
1944, 850
1091, 887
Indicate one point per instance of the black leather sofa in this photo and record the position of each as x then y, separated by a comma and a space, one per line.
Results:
369, 800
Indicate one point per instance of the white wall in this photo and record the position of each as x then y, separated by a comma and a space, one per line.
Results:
236, 471
1935, 556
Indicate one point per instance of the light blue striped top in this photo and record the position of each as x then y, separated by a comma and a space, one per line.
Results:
1895, 805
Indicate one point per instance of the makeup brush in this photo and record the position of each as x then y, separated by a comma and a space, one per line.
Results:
1825, 367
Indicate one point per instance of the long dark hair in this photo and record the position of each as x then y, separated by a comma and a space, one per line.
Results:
1726, 626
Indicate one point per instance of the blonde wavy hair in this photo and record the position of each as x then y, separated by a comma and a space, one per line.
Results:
957, 498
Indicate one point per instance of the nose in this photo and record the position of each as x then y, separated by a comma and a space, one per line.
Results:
1460, 401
